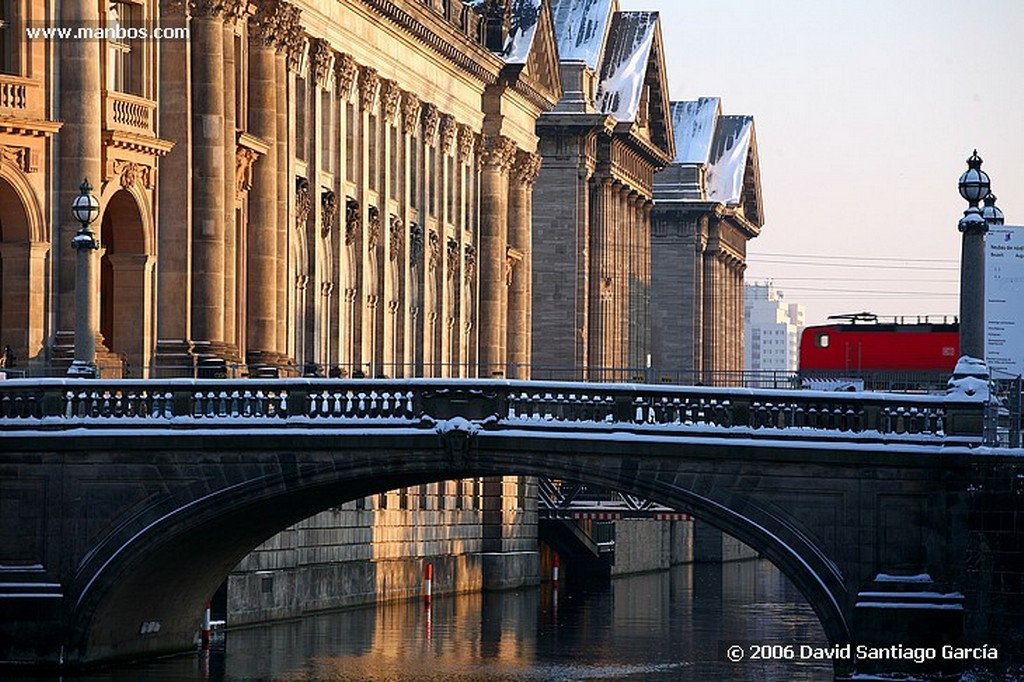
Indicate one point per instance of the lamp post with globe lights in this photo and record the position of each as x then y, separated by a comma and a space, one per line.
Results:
974, 187
85, 208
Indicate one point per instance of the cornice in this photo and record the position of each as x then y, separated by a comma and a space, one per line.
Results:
477, 61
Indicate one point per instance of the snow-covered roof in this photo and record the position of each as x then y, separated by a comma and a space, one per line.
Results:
693, 124
580, 26
624, 67
728, 161
524, 18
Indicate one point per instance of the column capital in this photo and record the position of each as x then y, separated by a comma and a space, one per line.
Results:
449, 129
498, 152
206, 9
431, 121
527, 167
345, 69
467, 142
391, 97
235, 10
410, 112
322, 58
369, 87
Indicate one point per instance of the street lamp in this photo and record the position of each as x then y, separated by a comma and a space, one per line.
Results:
974, 186
992, 214
85, 208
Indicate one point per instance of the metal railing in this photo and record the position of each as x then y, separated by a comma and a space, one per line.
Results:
56, 404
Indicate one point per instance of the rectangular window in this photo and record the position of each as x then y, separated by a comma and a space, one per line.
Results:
371, 137
350, 139
301, 105
395, 156
10, 33
124, 53
414, 176
326, 130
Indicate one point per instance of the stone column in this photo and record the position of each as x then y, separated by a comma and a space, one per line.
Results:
711, 310
234, 11
520, 228
261, 243
467, 304
602, 259
208, 174
497, 157
78, 158
413, 262
452, 260
369, 99
131, 272
432, 241
291, 44
173, 356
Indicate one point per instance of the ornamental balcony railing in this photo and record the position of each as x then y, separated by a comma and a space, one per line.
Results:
13, 93
129, 113
480, 405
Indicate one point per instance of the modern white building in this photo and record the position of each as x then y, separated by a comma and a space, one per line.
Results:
772, 330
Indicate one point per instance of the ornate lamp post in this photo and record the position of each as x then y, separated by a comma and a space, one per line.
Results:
992, 214
85, 209
974, 187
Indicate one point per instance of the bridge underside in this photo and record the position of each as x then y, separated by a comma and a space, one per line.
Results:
132, 533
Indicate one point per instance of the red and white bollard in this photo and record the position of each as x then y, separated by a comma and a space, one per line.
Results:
428, 583
207, 633
554, 570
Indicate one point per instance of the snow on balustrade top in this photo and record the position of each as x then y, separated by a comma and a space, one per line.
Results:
970, 380
625, 64
580, 27
693, 123
524, 18
729, 152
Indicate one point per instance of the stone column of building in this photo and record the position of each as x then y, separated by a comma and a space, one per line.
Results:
288, 56
497, 157
624, 271
345, 71
634, 344
449, 229
261, 238
432, 240
173, 355
366, 183
393, 225
234, 11
320, 253
645, 208
711, 310
602, 257
79, 158
413, 261
466, 325
208, 178
520, 231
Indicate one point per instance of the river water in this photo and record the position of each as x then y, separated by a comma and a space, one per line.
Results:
654, 627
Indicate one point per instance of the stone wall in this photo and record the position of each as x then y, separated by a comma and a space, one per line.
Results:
995, 563
377, 548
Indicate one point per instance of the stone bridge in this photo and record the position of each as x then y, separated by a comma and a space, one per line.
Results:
124, 504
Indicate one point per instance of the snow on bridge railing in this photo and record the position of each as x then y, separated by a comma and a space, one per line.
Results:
57, 404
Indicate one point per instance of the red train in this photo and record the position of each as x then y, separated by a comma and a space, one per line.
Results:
895, 354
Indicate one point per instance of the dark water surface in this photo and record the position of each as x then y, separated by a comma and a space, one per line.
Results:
655, 627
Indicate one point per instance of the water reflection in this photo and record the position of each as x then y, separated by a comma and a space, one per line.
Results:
664, 626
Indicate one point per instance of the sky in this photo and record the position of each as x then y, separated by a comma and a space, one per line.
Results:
865, 113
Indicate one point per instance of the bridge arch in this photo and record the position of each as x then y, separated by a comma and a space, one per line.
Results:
163, 559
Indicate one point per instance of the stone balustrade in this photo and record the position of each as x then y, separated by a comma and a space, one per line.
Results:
13, 93
56, 404
129, 113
